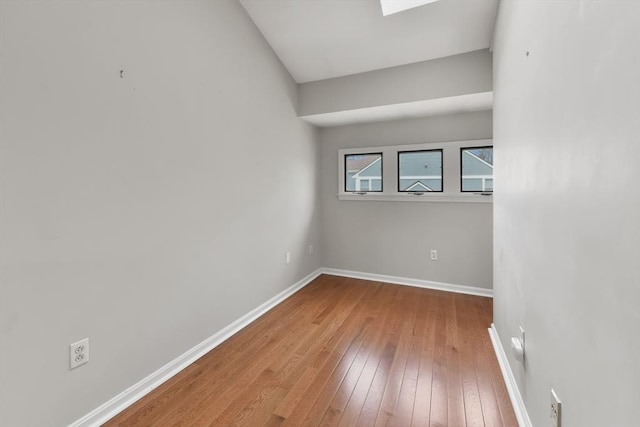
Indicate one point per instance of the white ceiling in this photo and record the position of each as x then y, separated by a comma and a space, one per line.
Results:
321, 39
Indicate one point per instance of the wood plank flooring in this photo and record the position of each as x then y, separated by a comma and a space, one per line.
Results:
344, 352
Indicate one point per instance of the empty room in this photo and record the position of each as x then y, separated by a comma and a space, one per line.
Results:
320, 213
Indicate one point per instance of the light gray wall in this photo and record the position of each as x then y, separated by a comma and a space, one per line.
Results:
463, 74
145, 212
394, 238
567, 204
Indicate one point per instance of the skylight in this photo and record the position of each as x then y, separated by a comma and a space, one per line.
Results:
394, 6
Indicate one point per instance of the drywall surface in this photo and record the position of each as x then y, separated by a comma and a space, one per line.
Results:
567, 203
464, 74
154, 173
394, 238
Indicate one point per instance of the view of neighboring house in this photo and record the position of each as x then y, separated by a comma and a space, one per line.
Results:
477, 169
363, 172
420, 171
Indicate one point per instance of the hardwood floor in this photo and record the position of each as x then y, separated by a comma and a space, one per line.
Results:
344, 352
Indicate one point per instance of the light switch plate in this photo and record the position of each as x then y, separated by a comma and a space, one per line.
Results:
556, 410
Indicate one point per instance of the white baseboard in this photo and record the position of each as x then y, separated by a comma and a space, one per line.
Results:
125, 399
418, 283
509, 379
134, 393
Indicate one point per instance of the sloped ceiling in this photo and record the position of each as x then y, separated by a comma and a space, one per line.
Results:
321, 39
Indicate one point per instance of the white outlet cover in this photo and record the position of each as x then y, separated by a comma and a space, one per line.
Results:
78, 353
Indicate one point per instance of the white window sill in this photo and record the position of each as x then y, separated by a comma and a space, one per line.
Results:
425, 197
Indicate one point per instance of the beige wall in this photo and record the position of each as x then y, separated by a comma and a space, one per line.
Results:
145, 212
567, 204
394, 238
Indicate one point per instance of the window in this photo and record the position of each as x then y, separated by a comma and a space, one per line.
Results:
426, 172
420, 171
363, 172
476, 169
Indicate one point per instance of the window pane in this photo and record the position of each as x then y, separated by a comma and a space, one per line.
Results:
376, 185
477, 169
420, 171
363, 172
489, 185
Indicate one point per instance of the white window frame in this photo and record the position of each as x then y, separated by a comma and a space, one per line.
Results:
451, 173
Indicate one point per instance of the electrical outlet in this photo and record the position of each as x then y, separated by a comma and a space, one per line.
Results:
434, 255
287, 258
78, 353
556, 410
310, 249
